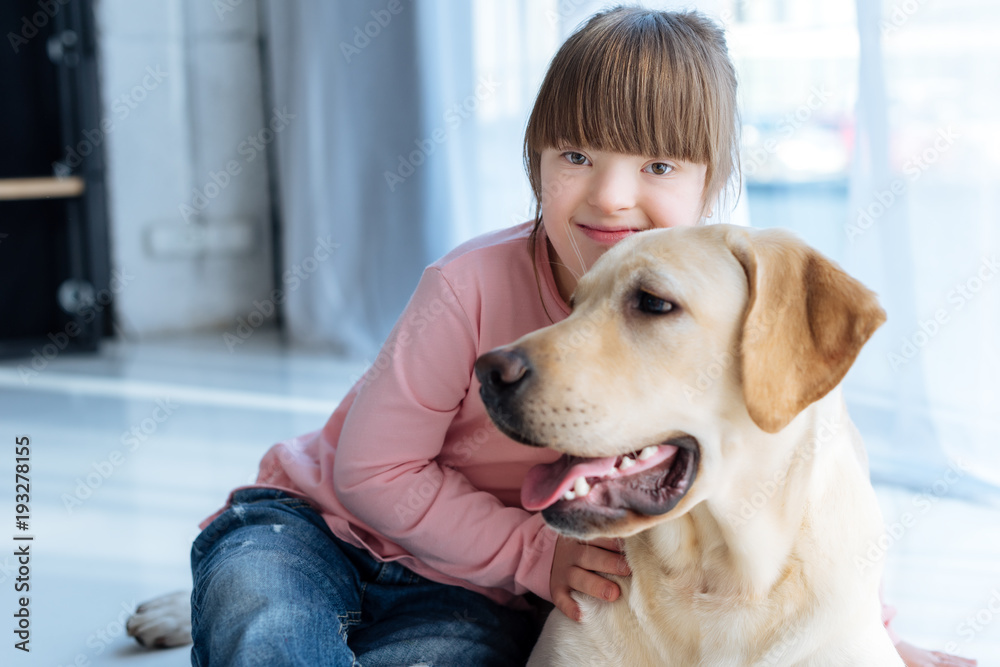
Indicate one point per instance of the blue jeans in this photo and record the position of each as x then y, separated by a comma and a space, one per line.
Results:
273, 586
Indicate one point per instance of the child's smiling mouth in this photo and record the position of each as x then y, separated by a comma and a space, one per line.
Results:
606, 236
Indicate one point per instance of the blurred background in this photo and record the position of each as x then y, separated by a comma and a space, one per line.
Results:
212, 212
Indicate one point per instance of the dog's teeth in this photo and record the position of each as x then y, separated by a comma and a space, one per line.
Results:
581, 487
626, 463
569, 495
647, 452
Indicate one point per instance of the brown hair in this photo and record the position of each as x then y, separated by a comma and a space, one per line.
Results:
640, 82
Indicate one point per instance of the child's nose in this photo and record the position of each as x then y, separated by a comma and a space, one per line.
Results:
614, 190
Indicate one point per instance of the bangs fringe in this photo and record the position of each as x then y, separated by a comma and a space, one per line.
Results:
640, 82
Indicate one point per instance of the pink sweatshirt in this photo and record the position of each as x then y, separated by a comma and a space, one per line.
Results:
409, 466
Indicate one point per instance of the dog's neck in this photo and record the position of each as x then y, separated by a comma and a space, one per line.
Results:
739, 542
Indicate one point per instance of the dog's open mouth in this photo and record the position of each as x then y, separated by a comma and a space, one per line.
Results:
650, 481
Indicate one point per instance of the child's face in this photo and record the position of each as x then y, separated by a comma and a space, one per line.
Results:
592, 199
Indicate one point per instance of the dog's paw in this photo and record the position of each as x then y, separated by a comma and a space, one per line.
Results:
162, 622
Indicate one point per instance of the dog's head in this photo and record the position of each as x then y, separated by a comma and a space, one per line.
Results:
676, 337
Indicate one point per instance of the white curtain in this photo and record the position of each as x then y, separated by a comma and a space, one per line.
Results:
922, 231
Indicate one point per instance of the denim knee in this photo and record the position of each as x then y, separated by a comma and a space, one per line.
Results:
270, 590
274, 586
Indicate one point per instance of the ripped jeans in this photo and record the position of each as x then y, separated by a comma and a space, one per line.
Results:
273, 586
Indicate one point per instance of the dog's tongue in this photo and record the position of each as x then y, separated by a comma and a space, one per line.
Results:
546, 483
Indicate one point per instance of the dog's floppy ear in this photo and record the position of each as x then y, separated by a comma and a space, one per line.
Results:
806, 322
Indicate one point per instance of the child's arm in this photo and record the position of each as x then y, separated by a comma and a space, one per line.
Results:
387, 472
888, 613
918, 657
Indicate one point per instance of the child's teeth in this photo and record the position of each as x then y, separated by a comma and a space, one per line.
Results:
569, 495
581, 487
626, 463
647, 452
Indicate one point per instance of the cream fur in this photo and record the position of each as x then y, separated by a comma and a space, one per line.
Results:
758, 563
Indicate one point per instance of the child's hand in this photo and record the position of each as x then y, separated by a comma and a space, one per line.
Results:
575, 566
918, 657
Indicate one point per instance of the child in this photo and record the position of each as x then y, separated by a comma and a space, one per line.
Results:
395, 535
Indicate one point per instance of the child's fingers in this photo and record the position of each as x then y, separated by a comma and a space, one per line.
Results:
609, 543
953, 660
566, 604
602, 560
914, 656
594, 585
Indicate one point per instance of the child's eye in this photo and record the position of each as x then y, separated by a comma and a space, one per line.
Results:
660, 168
575, 158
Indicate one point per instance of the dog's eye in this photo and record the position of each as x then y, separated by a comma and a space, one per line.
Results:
654, 305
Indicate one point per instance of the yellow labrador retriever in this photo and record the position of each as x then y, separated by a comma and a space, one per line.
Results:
694, 394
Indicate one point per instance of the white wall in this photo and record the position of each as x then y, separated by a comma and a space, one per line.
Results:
181, 96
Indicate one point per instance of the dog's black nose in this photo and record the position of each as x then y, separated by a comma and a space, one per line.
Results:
502, 371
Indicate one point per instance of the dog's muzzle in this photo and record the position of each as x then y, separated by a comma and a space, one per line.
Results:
578, 495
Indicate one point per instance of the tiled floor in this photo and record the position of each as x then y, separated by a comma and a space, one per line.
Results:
114, 529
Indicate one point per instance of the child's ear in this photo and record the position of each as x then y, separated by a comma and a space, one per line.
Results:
805, 324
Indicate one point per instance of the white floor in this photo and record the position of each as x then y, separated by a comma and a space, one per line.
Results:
114, 529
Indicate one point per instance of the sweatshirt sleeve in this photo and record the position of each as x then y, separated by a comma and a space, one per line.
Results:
387, 473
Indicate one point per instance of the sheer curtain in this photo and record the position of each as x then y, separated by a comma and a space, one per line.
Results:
922, 230
405, 143
352, 181
870, 130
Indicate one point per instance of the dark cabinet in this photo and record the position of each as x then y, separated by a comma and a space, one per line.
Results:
54, 250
